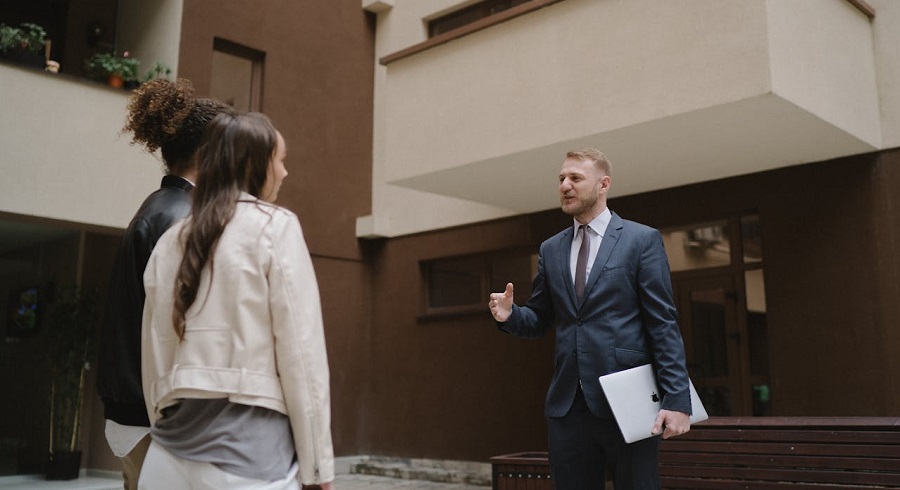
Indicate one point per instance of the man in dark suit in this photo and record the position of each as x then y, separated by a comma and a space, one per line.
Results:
605, 288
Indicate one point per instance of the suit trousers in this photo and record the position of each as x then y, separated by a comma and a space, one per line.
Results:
165, 471
583, 446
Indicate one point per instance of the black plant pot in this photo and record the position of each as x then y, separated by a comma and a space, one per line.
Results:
64, 465
25, 57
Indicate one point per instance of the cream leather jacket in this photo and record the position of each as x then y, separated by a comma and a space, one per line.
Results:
253, 335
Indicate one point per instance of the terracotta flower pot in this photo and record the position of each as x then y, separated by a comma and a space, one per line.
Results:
115, 81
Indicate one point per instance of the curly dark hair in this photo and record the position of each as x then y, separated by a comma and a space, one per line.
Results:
165, 115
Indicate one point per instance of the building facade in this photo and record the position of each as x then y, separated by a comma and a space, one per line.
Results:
424, 142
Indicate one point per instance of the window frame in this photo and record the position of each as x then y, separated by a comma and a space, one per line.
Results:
487, 260
257, 67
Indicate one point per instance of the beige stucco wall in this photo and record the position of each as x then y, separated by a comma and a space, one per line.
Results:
822, 58
804, 80
887, 68
151, 31
61, 152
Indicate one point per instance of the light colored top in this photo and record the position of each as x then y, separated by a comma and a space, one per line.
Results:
597, 228
254, 335
123, 438
252, 442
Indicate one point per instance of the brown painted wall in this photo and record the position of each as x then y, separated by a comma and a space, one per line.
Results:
455, 387
318, 83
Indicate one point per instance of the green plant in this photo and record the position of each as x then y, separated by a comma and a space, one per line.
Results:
159, 70
102, 65
28, 37
72, 325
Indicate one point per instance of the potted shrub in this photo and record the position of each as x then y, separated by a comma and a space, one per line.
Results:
72, 325
159, 70
115, 70
23, 44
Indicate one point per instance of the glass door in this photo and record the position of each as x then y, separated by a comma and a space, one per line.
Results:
712, 337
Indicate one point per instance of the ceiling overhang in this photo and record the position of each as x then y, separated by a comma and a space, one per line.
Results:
743, 137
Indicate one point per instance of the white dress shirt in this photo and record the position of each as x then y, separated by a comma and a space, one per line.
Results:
597, 228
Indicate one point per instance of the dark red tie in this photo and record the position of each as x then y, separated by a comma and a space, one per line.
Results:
581, 264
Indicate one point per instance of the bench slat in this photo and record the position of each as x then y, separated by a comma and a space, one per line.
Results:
859, 450
778, 461
831, 436
677, 483
788, 475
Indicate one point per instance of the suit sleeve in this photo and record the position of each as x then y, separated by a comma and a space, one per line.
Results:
536, 317
660, 321
300, 354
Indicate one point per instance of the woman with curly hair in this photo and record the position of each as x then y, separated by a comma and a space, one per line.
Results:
162, 115
234, 365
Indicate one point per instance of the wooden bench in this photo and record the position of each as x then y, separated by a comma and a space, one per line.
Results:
757, 453
784, 453
521, 471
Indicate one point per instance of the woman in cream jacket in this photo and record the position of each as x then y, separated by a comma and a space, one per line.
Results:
234, 366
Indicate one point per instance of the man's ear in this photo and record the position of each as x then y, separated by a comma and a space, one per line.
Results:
605, 182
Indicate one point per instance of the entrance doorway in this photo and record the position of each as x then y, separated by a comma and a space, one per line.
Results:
717, 276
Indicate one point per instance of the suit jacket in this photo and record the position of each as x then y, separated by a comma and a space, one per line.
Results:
626, 318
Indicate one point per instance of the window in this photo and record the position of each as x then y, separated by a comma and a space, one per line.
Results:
237, 73
462, 284
470, 14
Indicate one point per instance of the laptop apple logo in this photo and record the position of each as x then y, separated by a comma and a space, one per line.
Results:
654, 398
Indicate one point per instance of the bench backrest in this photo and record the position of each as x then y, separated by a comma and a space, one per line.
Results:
784, 452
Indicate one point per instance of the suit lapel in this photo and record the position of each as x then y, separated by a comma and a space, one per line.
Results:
565, 251
610, 238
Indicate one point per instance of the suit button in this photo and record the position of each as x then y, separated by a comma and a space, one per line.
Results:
579, 322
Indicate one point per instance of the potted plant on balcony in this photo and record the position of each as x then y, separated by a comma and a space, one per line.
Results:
23, 44
72, 326
159, 70
115, 70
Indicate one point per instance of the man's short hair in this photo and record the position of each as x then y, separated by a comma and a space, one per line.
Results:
593, 155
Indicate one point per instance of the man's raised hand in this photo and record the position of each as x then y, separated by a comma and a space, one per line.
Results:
501, 303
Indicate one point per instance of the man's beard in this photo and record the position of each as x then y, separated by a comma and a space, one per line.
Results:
581, 206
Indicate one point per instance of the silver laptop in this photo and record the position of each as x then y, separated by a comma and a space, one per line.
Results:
635, 401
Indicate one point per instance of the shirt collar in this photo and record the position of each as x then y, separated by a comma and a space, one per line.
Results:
598, 224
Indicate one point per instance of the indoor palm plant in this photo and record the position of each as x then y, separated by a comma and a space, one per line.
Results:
72, 326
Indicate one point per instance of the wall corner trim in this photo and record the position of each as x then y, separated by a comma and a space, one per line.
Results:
377, 6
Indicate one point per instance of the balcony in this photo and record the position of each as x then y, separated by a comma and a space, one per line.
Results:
62, 154
61, 151
674, 92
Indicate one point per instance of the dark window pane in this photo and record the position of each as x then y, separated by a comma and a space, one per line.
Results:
468, 15
708, 324
516, 269
751, 238
455, 282
697, 246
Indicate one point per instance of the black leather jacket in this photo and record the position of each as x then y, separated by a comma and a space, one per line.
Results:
119, 370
